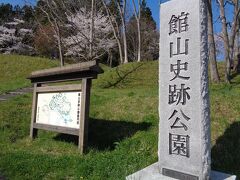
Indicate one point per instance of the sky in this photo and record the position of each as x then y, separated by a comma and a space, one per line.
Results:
154, 6
15, 2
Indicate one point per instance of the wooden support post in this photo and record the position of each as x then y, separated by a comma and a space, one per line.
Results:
33, 131
85, 103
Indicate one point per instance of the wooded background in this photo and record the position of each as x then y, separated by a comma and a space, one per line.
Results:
111, 31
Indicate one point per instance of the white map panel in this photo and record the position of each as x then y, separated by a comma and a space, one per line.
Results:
59, 109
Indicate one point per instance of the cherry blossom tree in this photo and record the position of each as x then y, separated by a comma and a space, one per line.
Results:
81, 39
13, 38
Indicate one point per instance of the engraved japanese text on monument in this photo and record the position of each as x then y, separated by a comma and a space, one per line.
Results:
179, 143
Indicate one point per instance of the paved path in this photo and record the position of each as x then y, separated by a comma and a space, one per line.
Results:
2, 178
17, 92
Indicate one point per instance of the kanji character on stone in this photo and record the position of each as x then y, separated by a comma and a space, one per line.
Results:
179, 145
178, 95
178, 24
173, 25
179, 120
183, 22
177, 68
178, 50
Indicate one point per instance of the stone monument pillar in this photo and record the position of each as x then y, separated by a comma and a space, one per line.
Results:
184, 133
184, 143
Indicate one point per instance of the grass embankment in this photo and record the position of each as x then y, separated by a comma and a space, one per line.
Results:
123, 131
15, 69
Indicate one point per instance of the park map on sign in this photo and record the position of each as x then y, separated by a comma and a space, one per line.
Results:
59, 109
60, 104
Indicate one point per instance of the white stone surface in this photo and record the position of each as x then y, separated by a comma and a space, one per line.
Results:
197, 107
149, 173
152, 173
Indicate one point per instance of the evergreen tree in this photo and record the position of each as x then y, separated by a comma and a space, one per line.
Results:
149, 35
146, 14
17, 11
6, 13
28, 13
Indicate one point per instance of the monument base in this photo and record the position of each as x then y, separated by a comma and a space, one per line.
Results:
152, 173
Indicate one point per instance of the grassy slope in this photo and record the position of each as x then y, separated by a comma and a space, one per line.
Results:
15, 69
131, 75
123, 131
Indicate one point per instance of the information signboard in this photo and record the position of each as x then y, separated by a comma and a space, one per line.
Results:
59, 109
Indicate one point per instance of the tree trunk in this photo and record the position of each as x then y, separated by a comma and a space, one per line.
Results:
91, 32
53, 20
115, 29
226, 42
139, 30
59, 44
237, 67
138, 18
237, 53
212, 48
122, 16
236, 43
120, 51
139, 42
110, 58
233, 33
125, 45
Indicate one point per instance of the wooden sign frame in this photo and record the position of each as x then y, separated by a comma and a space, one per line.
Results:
42, 92
81, 71
85, 97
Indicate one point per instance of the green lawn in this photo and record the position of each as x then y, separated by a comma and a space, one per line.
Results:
123, 131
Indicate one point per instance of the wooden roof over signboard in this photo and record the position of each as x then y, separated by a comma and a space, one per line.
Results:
67, 73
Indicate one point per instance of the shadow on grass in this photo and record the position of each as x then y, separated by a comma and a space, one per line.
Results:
226, 151
235, 74
121, 76
105, 134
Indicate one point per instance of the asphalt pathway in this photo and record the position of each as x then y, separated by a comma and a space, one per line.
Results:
11, 94
2, 178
